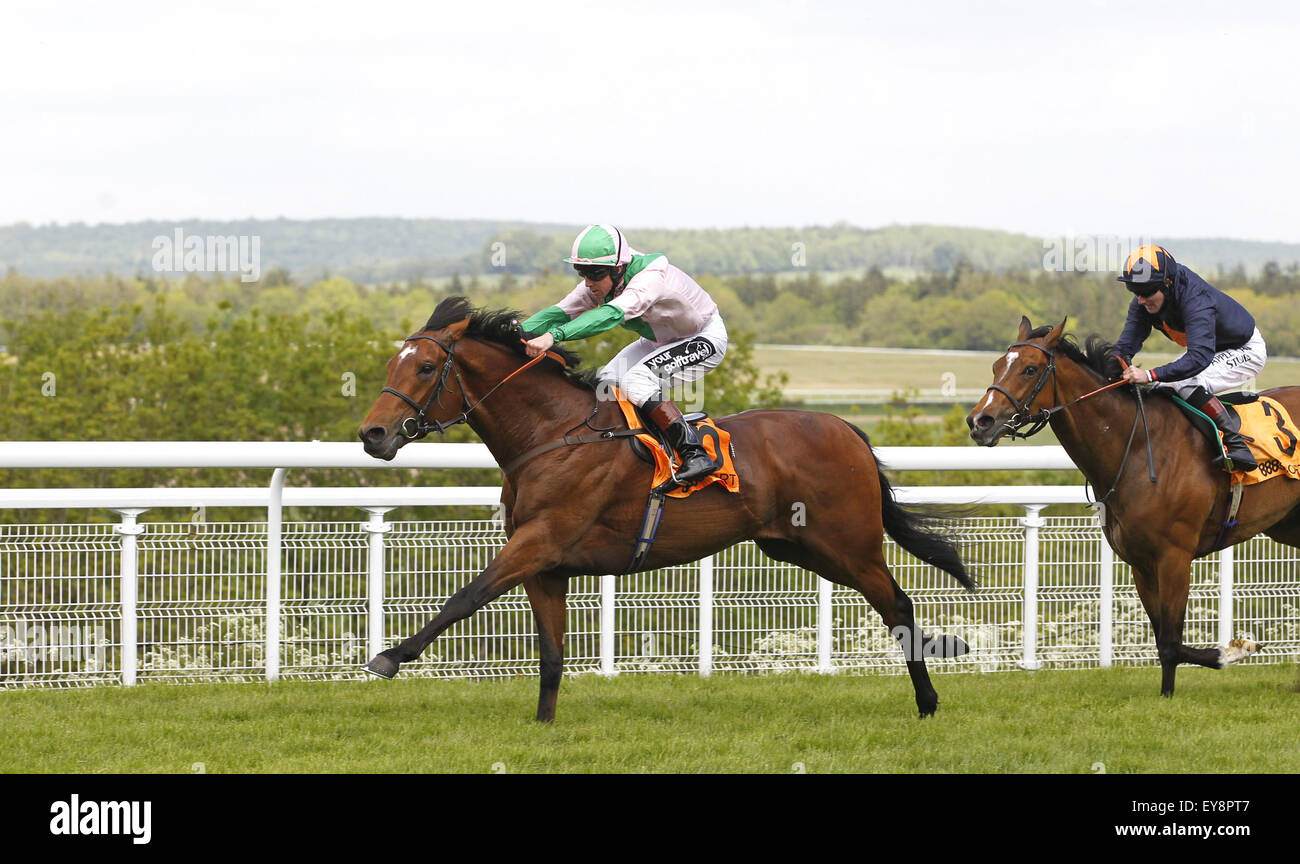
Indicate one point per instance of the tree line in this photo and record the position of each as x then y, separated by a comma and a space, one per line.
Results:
962, 307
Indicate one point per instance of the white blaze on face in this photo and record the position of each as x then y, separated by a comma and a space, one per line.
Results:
1011, 358
406, 352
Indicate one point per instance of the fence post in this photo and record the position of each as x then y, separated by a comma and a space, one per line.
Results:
1032, 523
375, 578
1106, 623
1225, 596
824, 622
274, 511
607, 625
706, 616
130, 532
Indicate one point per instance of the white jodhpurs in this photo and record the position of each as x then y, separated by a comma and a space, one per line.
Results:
671, 370
1229, 370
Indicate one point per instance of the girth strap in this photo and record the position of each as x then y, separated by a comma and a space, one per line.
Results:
654, 513
1230, 514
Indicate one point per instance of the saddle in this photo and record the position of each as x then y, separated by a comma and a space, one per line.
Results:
652, 449
1266, 427
1201, 421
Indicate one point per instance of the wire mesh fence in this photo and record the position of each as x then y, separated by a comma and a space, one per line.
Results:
202, 605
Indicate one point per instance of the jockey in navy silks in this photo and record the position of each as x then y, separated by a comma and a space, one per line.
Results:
1224, 348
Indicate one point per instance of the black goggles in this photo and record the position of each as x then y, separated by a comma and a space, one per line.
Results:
593, 272
1145, 289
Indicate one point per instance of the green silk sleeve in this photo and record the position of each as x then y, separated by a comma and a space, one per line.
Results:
589, 323
545, 320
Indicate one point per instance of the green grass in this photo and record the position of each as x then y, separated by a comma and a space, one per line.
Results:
1237, 720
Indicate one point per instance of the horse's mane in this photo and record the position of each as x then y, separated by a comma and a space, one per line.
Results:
1097, 355
499, 326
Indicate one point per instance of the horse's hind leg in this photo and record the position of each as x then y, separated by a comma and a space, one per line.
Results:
872, 578
1174, 580
903, 625
548, 593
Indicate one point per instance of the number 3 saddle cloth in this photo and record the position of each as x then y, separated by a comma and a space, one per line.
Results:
1271, 434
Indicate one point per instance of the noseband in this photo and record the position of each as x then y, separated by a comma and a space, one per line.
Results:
1022, 418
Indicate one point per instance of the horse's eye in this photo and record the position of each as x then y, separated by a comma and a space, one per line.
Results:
426, 369
1030, 370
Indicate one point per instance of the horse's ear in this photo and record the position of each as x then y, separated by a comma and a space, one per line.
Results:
1055, 336
456, 330
1025, 327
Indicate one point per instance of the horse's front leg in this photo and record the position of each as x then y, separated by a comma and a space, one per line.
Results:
548, 594
533, 549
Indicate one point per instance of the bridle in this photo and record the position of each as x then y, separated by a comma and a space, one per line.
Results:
1038, 420
420, 425
1022, 417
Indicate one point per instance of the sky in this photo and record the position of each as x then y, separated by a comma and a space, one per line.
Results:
1153, 119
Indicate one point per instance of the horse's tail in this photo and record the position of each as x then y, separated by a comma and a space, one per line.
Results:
916, 532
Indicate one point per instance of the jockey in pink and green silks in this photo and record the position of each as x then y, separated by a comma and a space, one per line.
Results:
682, 335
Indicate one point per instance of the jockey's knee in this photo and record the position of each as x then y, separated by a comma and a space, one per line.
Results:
640, 385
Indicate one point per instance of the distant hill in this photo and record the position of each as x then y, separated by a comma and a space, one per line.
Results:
362, 249
382, 250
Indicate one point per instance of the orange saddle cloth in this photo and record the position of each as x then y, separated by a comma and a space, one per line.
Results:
1272, 436
715, 440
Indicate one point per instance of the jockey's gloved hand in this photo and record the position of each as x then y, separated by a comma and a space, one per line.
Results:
1134, 375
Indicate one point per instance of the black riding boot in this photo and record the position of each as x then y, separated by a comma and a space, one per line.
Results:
1230, 425
667, 418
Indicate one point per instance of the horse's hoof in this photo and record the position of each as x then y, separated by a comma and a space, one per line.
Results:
382, 667
1237, 650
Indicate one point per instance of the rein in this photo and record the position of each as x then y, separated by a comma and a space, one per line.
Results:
1037, 421
420, 425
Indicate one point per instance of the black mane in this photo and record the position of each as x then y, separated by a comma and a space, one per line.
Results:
499, 326
1097, 355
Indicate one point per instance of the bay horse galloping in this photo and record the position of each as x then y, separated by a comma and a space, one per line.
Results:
1158, 528
577, 510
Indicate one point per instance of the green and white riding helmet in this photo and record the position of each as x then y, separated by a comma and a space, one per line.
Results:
600, 246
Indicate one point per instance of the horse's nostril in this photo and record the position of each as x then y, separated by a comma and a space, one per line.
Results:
374, 433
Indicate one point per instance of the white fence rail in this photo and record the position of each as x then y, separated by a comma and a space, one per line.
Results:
102, 603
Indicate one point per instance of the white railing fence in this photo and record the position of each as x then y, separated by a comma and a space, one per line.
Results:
209, 600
